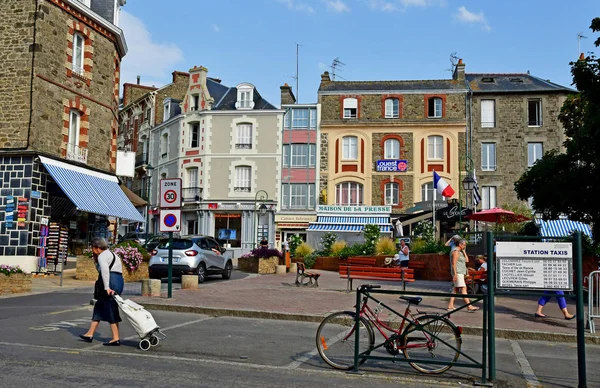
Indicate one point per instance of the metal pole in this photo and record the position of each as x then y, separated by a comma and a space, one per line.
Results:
491, 319
356, 329
581, 368
170, 287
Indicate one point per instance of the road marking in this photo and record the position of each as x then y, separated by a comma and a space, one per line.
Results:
526, 369
70, 310
55, 326
307, 356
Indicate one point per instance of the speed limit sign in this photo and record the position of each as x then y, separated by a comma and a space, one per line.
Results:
170, 193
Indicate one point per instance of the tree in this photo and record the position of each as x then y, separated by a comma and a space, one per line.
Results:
568, 183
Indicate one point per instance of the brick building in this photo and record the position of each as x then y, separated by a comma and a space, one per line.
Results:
59, 93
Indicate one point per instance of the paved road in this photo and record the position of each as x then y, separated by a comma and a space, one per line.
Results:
39, 346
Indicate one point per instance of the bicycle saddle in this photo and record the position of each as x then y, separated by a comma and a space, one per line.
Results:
412, 299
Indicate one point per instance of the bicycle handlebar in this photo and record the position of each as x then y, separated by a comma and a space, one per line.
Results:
369, 286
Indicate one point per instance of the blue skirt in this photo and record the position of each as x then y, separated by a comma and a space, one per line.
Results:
106, 308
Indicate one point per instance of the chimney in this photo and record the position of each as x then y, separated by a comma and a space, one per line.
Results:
287, 97
138, 79
325, 77
459, 71
198, 75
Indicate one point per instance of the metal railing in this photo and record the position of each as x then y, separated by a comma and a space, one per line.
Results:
76, 153
191, 194
593, 281
243, 146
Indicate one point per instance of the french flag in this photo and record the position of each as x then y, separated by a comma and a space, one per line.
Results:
442, 186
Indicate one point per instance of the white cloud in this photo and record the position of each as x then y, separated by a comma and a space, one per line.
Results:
153, 61
382, 5
465, 16
297, 6
337, 5
414, 3
402, 5
216, 28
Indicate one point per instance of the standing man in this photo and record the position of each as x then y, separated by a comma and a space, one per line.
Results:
286, 245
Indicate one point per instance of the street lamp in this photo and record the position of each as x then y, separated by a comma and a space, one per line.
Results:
261, 196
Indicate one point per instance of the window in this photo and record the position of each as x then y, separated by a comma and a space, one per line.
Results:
488, 197
392, 149
300, 118
192, 177
392, 108
244, 136
167, 112
147, 115
228, 229
350, 108
349, 193
245, 99
488, 156
434, 108
242, 179
194, 135
78, 45
350, 148
74, 122
298, 196
427, 191
299, 155
488, 113
195, 101
391, 194
164, 142
534, 113
192, 227
534, 152
313, 118
435, 148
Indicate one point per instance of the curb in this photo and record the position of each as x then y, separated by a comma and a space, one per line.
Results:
510, 334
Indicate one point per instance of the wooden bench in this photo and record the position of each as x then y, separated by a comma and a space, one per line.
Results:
351, 272
362, 261
474, 280
304, 278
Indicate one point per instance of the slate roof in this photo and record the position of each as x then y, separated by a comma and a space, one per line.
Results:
420, 85
512, 83
226, 97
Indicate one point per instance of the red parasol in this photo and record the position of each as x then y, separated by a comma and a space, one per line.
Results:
498, 215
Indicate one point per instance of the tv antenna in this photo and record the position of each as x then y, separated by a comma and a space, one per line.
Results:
296, 77
335, 67
453, 61
579, 37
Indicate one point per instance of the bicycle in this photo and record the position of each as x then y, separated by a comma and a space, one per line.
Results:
428, 335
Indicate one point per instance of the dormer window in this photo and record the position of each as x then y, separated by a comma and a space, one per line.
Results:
195, 101
167, 112
245, 96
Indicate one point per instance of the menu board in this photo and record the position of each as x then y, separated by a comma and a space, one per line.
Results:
534, 266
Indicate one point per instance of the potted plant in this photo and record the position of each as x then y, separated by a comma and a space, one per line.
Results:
13, 280
260, 260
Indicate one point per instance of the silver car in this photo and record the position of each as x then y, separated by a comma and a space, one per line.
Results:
200, 256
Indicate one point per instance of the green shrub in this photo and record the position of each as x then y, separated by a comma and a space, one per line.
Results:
295, 241
352, 250
327, 241
337, 247
303, 250
371, 233
385, 246
310, 259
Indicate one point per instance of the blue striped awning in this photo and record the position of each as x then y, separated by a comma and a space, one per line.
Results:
91, 191
331, 223
563, 227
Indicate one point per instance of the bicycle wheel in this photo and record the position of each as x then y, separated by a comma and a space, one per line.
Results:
418, 344
336, 338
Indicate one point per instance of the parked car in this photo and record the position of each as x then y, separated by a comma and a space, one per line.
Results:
200, 256
139, 238
153, 242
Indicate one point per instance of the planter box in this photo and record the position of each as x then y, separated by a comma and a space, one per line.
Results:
256, 265
139, 274
327, 263
15, 283
86, 270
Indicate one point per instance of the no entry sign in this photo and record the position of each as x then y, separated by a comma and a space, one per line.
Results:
170, 193
170, 220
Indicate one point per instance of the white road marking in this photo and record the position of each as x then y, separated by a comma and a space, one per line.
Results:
526, 369
88, 307
307, 356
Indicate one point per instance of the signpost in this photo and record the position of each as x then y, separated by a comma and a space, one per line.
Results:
170, 217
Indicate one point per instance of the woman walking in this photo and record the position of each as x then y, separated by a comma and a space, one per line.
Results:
110, 282
562, 304
458, 270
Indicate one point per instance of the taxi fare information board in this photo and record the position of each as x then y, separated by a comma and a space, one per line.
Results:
534, 266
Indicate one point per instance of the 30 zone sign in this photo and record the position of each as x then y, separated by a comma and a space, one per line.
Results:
170, 193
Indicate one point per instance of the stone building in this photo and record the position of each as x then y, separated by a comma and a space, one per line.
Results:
59, 93
381, 142
514, 122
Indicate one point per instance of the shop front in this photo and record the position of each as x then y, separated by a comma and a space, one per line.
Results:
291, 224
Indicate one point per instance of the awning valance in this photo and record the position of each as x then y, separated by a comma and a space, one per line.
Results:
562, 227
92, 191
331, 223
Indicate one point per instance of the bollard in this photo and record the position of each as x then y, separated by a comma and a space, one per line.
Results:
189, 282
293, 267
280, 270
150, 287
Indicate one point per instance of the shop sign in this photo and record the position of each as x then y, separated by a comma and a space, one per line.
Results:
450, 213
295, 218
228, 215
426, 206
22, 211
389, 165
353, 209
9, 211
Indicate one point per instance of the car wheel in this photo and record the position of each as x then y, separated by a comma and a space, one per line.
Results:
201, 272
227, 270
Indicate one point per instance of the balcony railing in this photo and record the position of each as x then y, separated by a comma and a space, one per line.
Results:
76, 153
141, 160
191, 194
243, 146
241, 189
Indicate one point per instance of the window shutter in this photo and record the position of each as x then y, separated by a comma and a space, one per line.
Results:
487, 114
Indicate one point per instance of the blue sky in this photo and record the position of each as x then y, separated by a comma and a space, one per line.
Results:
255, 41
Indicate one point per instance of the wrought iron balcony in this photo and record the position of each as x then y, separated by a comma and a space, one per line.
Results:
141, 160
243, 146
191, 194
76, 153
241, 189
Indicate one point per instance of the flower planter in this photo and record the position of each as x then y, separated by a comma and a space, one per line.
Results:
258, 265
135, 276
15, 283
86, 270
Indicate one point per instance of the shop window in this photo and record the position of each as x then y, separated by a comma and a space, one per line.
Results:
228, 229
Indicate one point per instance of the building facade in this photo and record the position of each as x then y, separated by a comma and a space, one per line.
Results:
59, 86
514, 121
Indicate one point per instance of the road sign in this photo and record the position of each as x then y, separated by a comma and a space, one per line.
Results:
170, 220
170, 193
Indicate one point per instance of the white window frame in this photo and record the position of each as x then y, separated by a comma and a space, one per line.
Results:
532, 152
192, 177
195, 105
488, 197
392, 108
488, 113
426, 189
299, 154
438, 108
78, 53
167, 111
74, 127
349, 187
350, 108
243, 179
298, 196
195, 133
392, 194
350, 148
392, 149
245, 97
537, 122
488, 156
300, 118
164, 145
244, 136
435, 149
